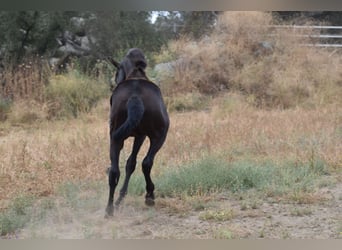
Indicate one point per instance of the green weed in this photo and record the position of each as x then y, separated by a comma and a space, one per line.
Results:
81, 195
187, 102
17, 215
224, 234
71, 94
300, 212
5, 107
214, 174
223, 215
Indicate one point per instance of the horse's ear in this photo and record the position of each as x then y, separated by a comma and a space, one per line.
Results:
115, 63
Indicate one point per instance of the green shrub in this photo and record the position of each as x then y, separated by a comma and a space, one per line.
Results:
71, 94
5, 107
214, 174
187, 102
17, 215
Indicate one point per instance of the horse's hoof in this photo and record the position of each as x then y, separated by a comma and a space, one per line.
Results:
149, 202
109, 212
107, 216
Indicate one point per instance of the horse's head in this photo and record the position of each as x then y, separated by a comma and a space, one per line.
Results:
134, 59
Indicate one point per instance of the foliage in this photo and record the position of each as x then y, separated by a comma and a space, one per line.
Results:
26, 33
30, 32
5, 107
223, 215
198, 23
17, 215
187, 102
69, 95
174, 24
117, 31
110, 33
213, 174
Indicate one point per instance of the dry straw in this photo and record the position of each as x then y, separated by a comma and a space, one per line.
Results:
271, 67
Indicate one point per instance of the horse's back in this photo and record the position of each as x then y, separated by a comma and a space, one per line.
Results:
149, 93
155, 119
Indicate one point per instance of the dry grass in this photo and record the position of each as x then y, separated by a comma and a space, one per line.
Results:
31, 91
239, 131
280, 74
36, 161
26, 80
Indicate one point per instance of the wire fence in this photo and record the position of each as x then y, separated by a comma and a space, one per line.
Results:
326, 36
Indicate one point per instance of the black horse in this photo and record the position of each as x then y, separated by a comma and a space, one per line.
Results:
138, 110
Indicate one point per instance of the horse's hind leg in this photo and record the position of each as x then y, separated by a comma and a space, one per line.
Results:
113, 174
130, 166
155, 145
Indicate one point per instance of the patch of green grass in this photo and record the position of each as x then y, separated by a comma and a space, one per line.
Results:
81, 195
300, 212
339, 230
136, 184
249, 203
223, 234
222, 215
28, 210
17, 215
72, 94
187, 102
214, 174
5, 107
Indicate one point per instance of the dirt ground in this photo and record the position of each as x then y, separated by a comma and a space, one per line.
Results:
222, 216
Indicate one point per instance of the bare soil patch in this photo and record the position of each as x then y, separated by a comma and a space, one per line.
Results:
198, 218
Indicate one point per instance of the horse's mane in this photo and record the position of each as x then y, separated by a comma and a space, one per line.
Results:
137, 73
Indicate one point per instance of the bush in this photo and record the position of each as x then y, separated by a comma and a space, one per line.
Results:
241, 56
17, 215
71, 94
26, 112
214, 174
187, 102
5, 107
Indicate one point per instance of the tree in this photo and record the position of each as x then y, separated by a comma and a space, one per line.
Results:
197, 23
55, 34
168, 25
113, 33
25, 33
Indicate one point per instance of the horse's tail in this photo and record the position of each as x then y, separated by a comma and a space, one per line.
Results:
135, 112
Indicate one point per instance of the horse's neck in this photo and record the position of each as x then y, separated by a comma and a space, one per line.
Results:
137, 73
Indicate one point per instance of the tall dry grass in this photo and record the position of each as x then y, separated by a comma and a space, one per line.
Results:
26, 80
57, 97
38, 160
236, 130
22, 87
271, 67
35, 160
